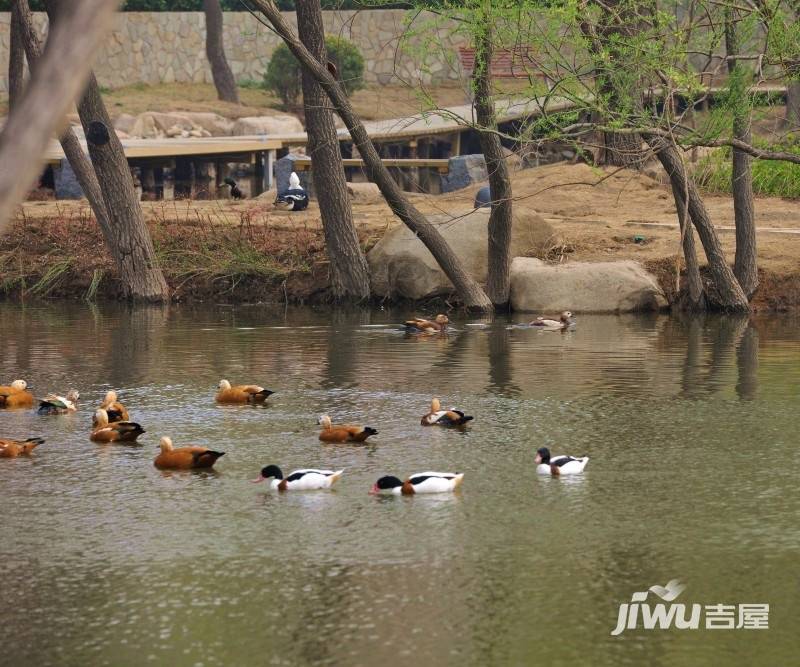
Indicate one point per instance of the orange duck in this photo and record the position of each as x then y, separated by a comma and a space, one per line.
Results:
242, 393
418, 325
185, 458
16, 395
114, 409
123, 431
343, 432
11, 449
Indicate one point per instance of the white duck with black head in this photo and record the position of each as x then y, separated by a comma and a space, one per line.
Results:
558, 465
421, 482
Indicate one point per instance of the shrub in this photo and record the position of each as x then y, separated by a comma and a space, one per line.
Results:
770, 177
283, 76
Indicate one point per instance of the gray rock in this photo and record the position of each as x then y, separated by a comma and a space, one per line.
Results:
583, 287
66, 183
401, 266
483, 197
277, 124
463, 171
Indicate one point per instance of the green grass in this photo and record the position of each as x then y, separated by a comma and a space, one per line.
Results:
773, 178
50, 279
97, 278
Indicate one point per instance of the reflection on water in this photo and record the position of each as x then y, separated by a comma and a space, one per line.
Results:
109, 561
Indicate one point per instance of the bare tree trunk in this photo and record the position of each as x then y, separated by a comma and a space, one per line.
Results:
78, 160
16, 60
56, 83
349, 272
215, 51
498, 281
792, 105
130, 242
731, 295
469, 291
745, 265
696, 297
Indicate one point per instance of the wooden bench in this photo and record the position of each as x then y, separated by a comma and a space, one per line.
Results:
441, 165
515, 63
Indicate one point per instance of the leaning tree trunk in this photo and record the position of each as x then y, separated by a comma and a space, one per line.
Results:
349, 272
16, 59
469, 291
130, 242
695, 298
731, 295
500, 219
52, 89
215, 51
78, 160
745, 265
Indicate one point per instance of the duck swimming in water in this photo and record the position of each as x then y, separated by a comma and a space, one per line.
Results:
241, 393
11, 449
113, 408
191, 457
305, 479
343, 432
52, 404
421, 482
558, 465
439, 417
123, 431
419, 325
16, 395
564, 321
293, 199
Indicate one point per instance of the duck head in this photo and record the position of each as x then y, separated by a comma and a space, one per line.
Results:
224, 385
111, 397
19, 385
101, 417
325, 422
73, 395
566, 317
386, 483
542, 456
165, 444
268, 472
442, 319
435, 405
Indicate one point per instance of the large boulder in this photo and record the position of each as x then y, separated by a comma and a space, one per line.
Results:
157, 125
401, 266
277, 124
213, 123
584, 287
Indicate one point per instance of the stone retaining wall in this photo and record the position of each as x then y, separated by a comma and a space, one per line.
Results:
164, 47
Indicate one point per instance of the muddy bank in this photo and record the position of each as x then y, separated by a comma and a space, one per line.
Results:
67, 258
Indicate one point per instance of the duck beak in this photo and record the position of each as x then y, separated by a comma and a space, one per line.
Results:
537, 460
260, 478
374, 490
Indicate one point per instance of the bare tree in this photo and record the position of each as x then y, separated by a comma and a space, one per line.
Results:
215, 51
498, 281
16, 60
349, 271
731, 295
130, 240
745, 266
53, 88
469, 291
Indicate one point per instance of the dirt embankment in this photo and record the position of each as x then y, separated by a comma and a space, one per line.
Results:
246, 251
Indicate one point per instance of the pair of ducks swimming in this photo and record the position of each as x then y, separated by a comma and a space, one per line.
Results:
16, 395
440, 322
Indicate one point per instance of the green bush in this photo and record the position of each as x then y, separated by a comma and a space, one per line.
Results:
283, 76
770, 177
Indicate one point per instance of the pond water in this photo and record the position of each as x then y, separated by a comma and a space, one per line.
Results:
691, 426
